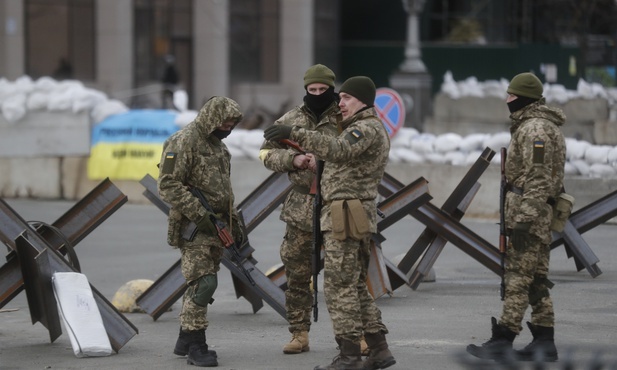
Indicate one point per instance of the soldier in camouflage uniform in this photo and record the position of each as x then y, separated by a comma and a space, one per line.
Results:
319, 112
534, 171
355, 162
195, 156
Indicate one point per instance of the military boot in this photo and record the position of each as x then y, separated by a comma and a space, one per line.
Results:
348, 359
198, 353
182, 344
379, 356
499, 347
299, 343
542, 347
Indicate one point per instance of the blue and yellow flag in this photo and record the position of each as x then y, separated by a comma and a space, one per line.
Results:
128, 146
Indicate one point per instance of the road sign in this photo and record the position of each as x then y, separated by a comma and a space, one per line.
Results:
390, 109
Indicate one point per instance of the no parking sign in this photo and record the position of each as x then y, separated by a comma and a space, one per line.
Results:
390, 109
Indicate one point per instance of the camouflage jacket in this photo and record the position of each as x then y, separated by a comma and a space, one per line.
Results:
298, 207
194, 157
355, 161
535, 164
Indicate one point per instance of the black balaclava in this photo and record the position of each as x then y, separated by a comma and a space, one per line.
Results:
221, 134
520, 103
319, 103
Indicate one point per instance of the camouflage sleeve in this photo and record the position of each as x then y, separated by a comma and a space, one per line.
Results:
176, 165
536, 153
352, 142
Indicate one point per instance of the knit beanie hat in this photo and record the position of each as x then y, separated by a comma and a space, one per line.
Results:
319, 73
361, 88
527, 85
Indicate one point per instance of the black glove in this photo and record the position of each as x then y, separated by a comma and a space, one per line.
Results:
238, 231
277, 132
520, 235
206, 225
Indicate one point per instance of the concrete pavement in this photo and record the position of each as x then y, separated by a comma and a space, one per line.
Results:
429, 327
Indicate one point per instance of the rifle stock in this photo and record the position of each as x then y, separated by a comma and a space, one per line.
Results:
223, 234
502, 222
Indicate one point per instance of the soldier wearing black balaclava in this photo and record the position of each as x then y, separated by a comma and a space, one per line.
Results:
319, 112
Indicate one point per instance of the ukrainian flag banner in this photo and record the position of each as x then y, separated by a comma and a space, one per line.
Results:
128, 146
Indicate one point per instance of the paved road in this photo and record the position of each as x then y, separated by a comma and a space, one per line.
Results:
430, 327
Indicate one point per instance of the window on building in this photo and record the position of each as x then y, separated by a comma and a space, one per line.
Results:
60, 39
163, 42
254, 46
327, 33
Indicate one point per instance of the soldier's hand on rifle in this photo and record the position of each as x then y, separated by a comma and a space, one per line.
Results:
206, 225
277, 132
301, 161
312, 164
237, 231
520, 235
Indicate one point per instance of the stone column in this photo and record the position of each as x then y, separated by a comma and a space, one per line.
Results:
114, 46
12, 39
412, 80
211, 50
297, 17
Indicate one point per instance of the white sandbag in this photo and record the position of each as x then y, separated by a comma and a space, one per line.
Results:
473, 142
612, 156
106, 109
37, 100
597, 154
569, 169
407, 155
86, 99
403, 137
449, 86
447, 142
14, 107
602, 170
497, 141
581, 166
455, 158
80, 315
422, 143
575, 149
436, 158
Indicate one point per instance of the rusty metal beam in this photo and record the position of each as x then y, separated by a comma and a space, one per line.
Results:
456, 233
264, 200
119, 329
75, 225
429, 245
36, 274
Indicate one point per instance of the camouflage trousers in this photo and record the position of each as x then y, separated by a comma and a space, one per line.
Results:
351, 307
200, 257
527, 285
296, 254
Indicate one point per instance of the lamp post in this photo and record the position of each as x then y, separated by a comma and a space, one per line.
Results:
411, 79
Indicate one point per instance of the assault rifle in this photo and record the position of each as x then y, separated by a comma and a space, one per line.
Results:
502, 221
317, 237
222, 232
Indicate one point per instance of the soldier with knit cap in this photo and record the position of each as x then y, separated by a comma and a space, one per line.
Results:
534, 171
320, 113
355, 162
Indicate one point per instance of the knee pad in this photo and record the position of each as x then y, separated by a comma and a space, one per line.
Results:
203, 290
